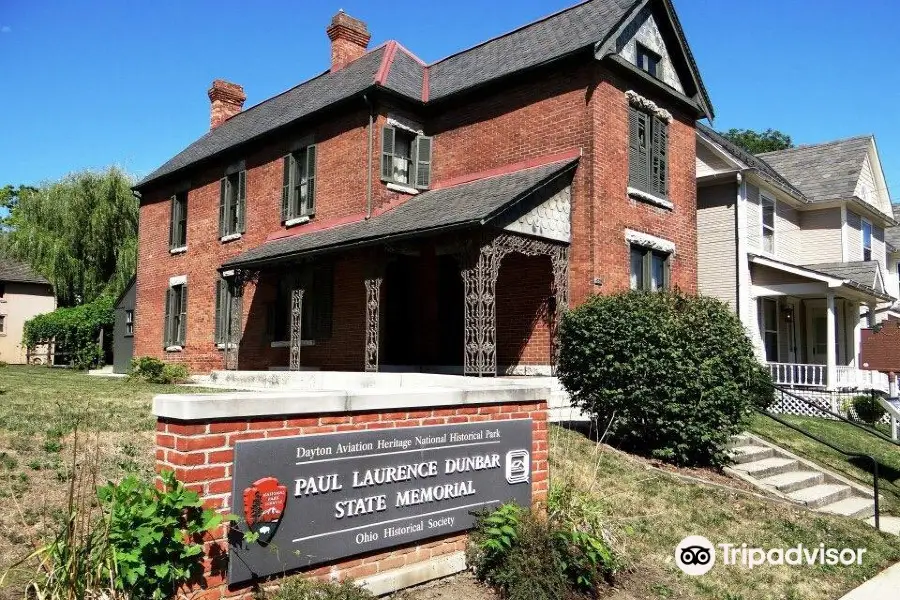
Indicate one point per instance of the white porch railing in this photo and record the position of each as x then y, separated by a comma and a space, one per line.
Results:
796, 374
853, 378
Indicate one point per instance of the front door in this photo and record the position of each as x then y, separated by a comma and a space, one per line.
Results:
817, 327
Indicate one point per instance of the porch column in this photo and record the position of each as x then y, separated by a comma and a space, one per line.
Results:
479, 275
373, 314
830, 338
857, 335
296, 326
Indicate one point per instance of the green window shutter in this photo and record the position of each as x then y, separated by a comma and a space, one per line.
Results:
310, 208
223, 202
660, 172
638, 146
220, 332
173, 222
242, 202
387, 153
182, 324
167, 322
422, 159
286, 189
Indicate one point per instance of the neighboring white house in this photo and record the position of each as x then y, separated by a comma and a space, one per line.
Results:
23, 295
794, 241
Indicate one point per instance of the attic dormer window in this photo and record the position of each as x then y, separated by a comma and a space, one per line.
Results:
648, 60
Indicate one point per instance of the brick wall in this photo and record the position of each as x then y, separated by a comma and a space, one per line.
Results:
571, 106
881, 349
523, 329
201, 454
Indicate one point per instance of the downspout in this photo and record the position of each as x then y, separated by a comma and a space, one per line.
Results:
369, 158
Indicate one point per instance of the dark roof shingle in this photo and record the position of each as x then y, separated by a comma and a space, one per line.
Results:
823, 172
756, 163
18, 272
864, 272
459, 206
892, 234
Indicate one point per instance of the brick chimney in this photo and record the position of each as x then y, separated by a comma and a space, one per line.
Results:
226, 100
349, 39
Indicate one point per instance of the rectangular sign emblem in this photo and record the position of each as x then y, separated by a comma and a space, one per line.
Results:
315, 498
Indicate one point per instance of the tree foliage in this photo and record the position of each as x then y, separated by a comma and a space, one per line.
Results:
671, 375
76, 330
757, 142
80, 232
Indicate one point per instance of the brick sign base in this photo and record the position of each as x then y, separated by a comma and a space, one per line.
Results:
201, 453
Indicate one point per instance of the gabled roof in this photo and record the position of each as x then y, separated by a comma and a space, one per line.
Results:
15, 271
763, 168
892, 234
392, 67
863, 272
457, 206
823, 172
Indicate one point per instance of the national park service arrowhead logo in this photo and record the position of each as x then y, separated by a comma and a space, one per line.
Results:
264, 503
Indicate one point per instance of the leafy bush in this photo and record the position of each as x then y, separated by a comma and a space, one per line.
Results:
671, 375
76, 329
153, 534
867, 408
153, 370
298, 588
529, 556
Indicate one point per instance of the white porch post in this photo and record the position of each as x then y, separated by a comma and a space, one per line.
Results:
857, 335
831, 358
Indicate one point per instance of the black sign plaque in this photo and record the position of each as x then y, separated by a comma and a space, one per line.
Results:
311, 499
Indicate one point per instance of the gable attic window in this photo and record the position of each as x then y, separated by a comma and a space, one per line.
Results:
232, 205
298, 192
405, 158
178, 223
647, 60
767, 208
867, 239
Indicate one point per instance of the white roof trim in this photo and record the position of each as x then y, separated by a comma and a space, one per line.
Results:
793, 270
727, 156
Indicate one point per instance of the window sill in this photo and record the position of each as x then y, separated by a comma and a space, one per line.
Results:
128, 335
231, 237
230, 346
297, 221
303, 344
399, 187
174, 348
179, 250
650, 198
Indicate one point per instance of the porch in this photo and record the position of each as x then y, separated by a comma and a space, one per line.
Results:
809, 325
465, 280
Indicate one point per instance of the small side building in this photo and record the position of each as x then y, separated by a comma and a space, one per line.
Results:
24, 294
123, 330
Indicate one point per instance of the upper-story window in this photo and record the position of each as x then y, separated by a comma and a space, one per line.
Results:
648, 162
232, 204
866, 240
649, 269
175, 324
178, 222
767, 208
648, 60
405, 158
298, 194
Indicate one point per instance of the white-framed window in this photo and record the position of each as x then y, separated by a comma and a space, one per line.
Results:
405, 158
768, 327
2, 324
129, 322
866, 228
175, 324
767, 222
298, 195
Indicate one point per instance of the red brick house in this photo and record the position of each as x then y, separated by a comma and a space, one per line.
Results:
396, 215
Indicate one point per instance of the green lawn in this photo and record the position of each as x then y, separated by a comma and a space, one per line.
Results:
844, 436
650, 511
40, 409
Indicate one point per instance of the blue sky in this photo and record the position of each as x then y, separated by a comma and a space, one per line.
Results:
93, 83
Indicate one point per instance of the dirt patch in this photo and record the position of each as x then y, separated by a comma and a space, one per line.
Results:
458, 587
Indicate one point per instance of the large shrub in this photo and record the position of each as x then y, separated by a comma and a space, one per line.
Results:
75, 329
153, 370
670, 375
